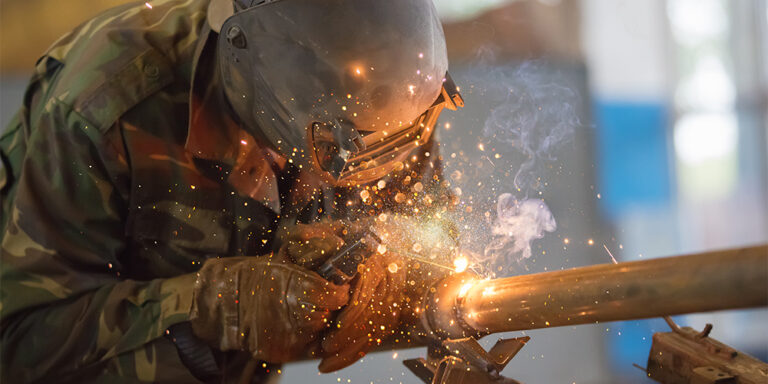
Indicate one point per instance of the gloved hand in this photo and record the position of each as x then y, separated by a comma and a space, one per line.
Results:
267, 306
373, 312
309, 245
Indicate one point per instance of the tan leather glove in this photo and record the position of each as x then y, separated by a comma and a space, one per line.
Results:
373, 312
309, 245
269, 307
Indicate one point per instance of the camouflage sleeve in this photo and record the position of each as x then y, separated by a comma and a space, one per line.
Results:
67, 314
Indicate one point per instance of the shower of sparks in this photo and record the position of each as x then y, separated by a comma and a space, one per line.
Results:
418, 258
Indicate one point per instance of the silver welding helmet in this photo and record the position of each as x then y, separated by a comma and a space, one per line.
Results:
347, 87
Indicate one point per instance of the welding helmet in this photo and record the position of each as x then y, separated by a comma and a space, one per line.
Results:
346, 87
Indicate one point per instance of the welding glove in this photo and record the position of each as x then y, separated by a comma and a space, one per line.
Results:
373, 312
309, 245
267, 306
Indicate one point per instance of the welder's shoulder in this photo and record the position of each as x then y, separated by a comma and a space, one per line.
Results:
119, 58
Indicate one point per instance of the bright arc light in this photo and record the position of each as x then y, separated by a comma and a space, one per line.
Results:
460, 264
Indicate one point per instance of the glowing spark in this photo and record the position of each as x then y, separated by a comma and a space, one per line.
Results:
460, 264
464, 289
148, 5
192, 186
421, 55
392, 268
394, 355
566, 241
243, 142
364, 194
381, 184
481, 147
382, 249
412, 89
610, 254
591, 242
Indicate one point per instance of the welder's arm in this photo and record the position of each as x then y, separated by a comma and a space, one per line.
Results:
67, 314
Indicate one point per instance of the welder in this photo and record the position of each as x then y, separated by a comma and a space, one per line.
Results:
180, 167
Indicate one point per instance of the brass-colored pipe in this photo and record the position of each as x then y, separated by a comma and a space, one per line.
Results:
702, 282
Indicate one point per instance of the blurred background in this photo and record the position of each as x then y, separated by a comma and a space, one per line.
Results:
641, 124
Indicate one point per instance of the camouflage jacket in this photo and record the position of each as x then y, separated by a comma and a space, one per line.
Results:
114, 191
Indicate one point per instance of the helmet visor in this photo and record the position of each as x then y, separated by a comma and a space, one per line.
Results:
359, 156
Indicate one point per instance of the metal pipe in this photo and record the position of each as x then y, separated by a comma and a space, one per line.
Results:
729, 279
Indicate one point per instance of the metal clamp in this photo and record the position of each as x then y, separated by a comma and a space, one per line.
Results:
463, 361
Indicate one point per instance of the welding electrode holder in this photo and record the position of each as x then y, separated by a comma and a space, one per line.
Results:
342, 267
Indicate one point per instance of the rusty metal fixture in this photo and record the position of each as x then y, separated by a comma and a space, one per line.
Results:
465, 361
688, 356
460, 306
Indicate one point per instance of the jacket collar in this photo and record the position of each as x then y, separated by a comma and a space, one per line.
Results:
214, 135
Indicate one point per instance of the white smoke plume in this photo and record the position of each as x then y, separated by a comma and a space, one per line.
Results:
534, 117
517, 224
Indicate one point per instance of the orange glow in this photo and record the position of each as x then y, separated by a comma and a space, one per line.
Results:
488, 291
464, 289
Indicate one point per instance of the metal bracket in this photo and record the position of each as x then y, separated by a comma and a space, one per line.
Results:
688, 356
464, 361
